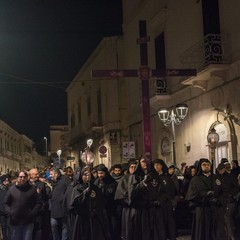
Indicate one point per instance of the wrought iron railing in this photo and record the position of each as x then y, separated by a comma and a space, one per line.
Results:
214, 49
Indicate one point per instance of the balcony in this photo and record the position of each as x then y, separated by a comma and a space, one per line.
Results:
211, 57
214, 49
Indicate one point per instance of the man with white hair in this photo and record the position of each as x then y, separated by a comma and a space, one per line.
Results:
41, 189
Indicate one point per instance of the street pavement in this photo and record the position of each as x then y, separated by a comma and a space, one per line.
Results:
188, 237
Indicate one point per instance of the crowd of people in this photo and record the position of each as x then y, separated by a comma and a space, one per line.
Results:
137, 200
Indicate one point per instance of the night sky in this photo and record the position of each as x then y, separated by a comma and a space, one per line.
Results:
43, 44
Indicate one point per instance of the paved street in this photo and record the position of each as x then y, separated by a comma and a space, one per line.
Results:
184, 238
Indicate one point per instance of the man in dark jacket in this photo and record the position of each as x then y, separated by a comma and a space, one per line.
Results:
22, 204
4, 186
57, 206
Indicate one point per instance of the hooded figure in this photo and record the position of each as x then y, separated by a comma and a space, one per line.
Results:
107, 185
124, 196
207, 219
167, 197
68, 195
89, 206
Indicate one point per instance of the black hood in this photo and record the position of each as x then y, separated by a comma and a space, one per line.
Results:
201, 161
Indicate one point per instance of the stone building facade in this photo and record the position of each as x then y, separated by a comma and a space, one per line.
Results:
201, 35
17, 151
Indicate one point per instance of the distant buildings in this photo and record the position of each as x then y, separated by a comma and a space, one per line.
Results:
59, 140
17, 151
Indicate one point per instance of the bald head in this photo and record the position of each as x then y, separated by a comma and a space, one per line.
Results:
33, 174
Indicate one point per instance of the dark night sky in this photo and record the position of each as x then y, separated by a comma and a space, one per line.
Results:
42, 43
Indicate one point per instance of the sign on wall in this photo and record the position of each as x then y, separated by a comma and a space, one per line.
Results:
113, 137
128, 149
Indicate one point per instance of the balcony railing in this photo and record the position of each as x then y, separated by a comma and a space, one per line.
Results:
214, 49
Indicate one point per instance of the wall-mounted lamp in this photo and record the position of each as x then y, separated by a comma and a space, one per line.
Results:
187, 147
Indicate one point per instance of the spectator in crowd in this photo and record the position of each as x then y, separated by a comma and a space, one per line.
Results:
183, 168
227, 164
41, 189
57, 207
22, 204
4, 186
125, 168
69, 173
94, 173
172, 174
235, 168
117, 172
188, 175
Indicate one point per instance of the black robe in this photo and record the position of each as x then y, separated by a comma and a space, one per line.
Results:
108, 187
91, 219
140, 201
207, 220
156, 206
227, 188
123, 194
168, 194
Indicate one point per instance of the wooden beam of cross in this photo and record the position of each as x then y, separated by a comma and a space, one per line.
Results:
144, 73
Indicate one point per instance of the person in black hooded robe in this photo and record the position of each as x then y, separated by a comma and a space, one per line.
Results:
91, 219
139, 199
167, 195
124, 195
156, 197
71, 215
207, 220
108, 185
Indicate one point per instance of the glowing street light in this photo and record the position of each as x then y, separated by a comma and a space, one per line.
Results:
213, 139
173, 115
87, 156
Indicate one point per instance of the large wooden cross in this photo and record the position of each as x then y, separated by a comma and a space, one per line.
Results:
144, 73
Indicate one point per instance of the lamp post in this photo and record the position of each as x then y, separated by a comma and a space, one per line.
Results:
87, 156
46, 147
213, 139
173, 115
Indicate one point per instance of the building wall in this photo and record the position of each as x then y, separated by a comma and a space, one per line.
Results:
97, 106
16, 150
212, 95
183, 28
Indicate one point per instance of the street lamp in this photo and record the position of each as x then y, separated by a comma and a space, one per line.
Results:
213, 139
173, 115
46, 147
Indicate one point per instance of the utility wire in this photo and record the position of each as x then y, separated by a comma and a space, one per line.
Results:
28, 81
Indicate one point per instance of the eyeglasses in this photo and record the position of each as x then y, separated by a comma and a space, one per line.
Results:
21, 176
